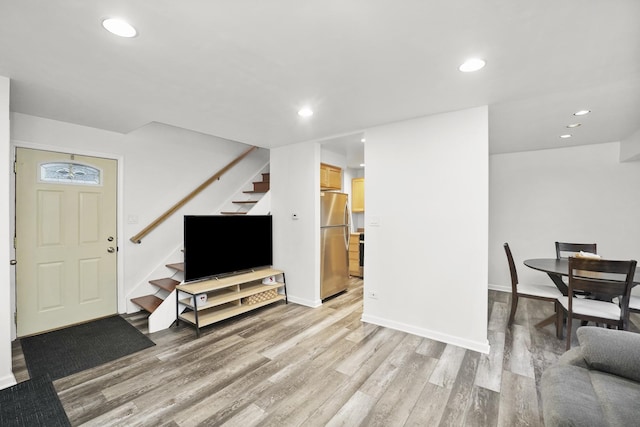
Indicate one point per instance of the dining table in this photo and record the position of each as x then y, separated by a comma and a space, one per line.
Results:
556, 269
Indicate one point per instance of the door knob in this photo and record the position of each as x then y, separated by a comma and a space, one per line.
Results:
111, 249
110, 239
13, 262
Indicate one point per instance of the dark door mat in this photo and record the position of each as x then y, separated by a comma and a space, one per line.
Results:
32, 403
67, 351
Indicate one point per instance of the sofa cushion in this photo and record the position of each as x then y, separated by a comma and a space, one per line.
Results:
612, 351
569, 399
619, 398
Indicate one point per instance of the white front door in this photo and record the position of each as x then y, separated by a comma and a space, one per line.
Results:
65, 239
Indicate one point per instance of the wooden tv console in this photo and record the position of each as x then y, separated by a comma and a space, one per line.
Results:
228, 296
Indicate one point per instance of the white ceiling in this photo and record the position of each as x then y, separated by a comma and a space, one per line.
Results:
240, 69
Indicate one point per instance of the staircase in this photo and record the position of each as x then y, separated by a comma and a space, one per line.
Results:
151, 302
161, 305
251, 197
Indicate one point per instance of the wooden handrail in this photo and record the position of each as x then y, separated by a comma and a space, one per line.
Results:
138, 237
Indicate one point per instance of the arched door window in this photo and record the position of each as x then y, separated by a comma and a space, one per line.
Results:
70, 173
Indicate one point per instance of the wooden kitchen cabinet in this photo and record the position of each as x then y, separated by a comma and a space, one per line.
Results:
357, 195
354, 255
330, 177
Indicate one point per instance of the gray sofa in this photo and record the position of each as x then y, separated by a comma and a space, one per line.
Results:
596, 384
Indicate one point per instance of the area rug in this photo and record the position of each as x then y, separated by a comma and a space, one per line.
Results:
32, 403
67, 351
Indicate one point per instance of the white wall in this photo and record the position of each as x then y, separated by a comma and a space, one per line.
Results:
427, 227
164, 164
574, 194
332, 158
630, 148
6, 314
295, 189
158, 165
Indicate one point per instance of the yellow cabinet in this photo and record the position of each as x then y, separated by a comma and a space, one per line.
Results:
354, 255
330, 177
357, 195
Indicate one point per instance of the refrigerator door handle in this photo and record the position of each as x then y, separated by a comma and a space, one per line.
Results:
346, 216
347, 228
347, 238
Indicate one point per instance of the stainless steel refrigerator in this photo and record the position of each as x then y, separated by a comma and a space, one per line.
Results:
334, 240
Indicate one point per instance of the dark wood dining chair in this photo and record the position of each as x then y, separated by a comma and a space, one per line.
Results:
564, 248
606, 279
523, 290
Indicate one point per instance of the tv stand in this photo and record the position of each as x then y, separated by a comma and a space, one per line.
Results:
228, 296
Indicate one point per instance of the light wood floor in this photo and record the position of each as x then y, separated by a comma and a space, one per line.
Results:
289, 365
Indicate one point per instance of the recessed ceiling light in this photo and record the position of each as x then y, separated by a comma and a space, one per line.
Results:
470, 65
574, 125
363, 140
565, 136
581, 112
305, 112
119, 27
361, 165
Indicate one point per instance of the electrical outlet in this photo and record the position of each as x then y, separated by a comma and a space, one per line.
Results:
372, 294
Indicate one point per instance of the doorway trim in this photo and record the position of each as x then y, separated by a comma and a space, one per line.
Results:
122, 305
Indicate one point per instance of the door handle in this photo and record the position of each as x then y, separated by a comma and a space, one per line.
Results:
13, 262
347, 239
111, 249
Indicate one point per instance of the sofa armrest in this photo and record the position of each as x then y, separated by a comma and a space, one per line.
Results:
612, 351
573, 357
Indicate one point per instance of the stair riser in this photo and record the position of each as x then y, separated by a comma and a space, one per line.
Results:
261, 186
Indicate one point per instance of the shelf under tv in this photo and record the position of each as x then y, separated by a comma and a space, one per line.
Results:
228, 296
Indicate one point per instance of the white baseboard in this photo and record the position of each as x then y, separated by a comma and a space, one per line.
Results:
7, 381
500, 288
304, 301
482, 347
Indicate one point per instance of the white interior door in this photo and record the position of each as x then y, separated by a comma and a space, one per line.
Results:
66, 245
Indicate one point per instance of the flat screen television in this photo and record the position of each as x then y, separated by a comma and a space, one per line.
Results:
216, 245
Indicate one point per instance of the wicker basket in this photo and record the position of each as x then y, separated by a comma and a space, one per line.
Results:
262, 296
